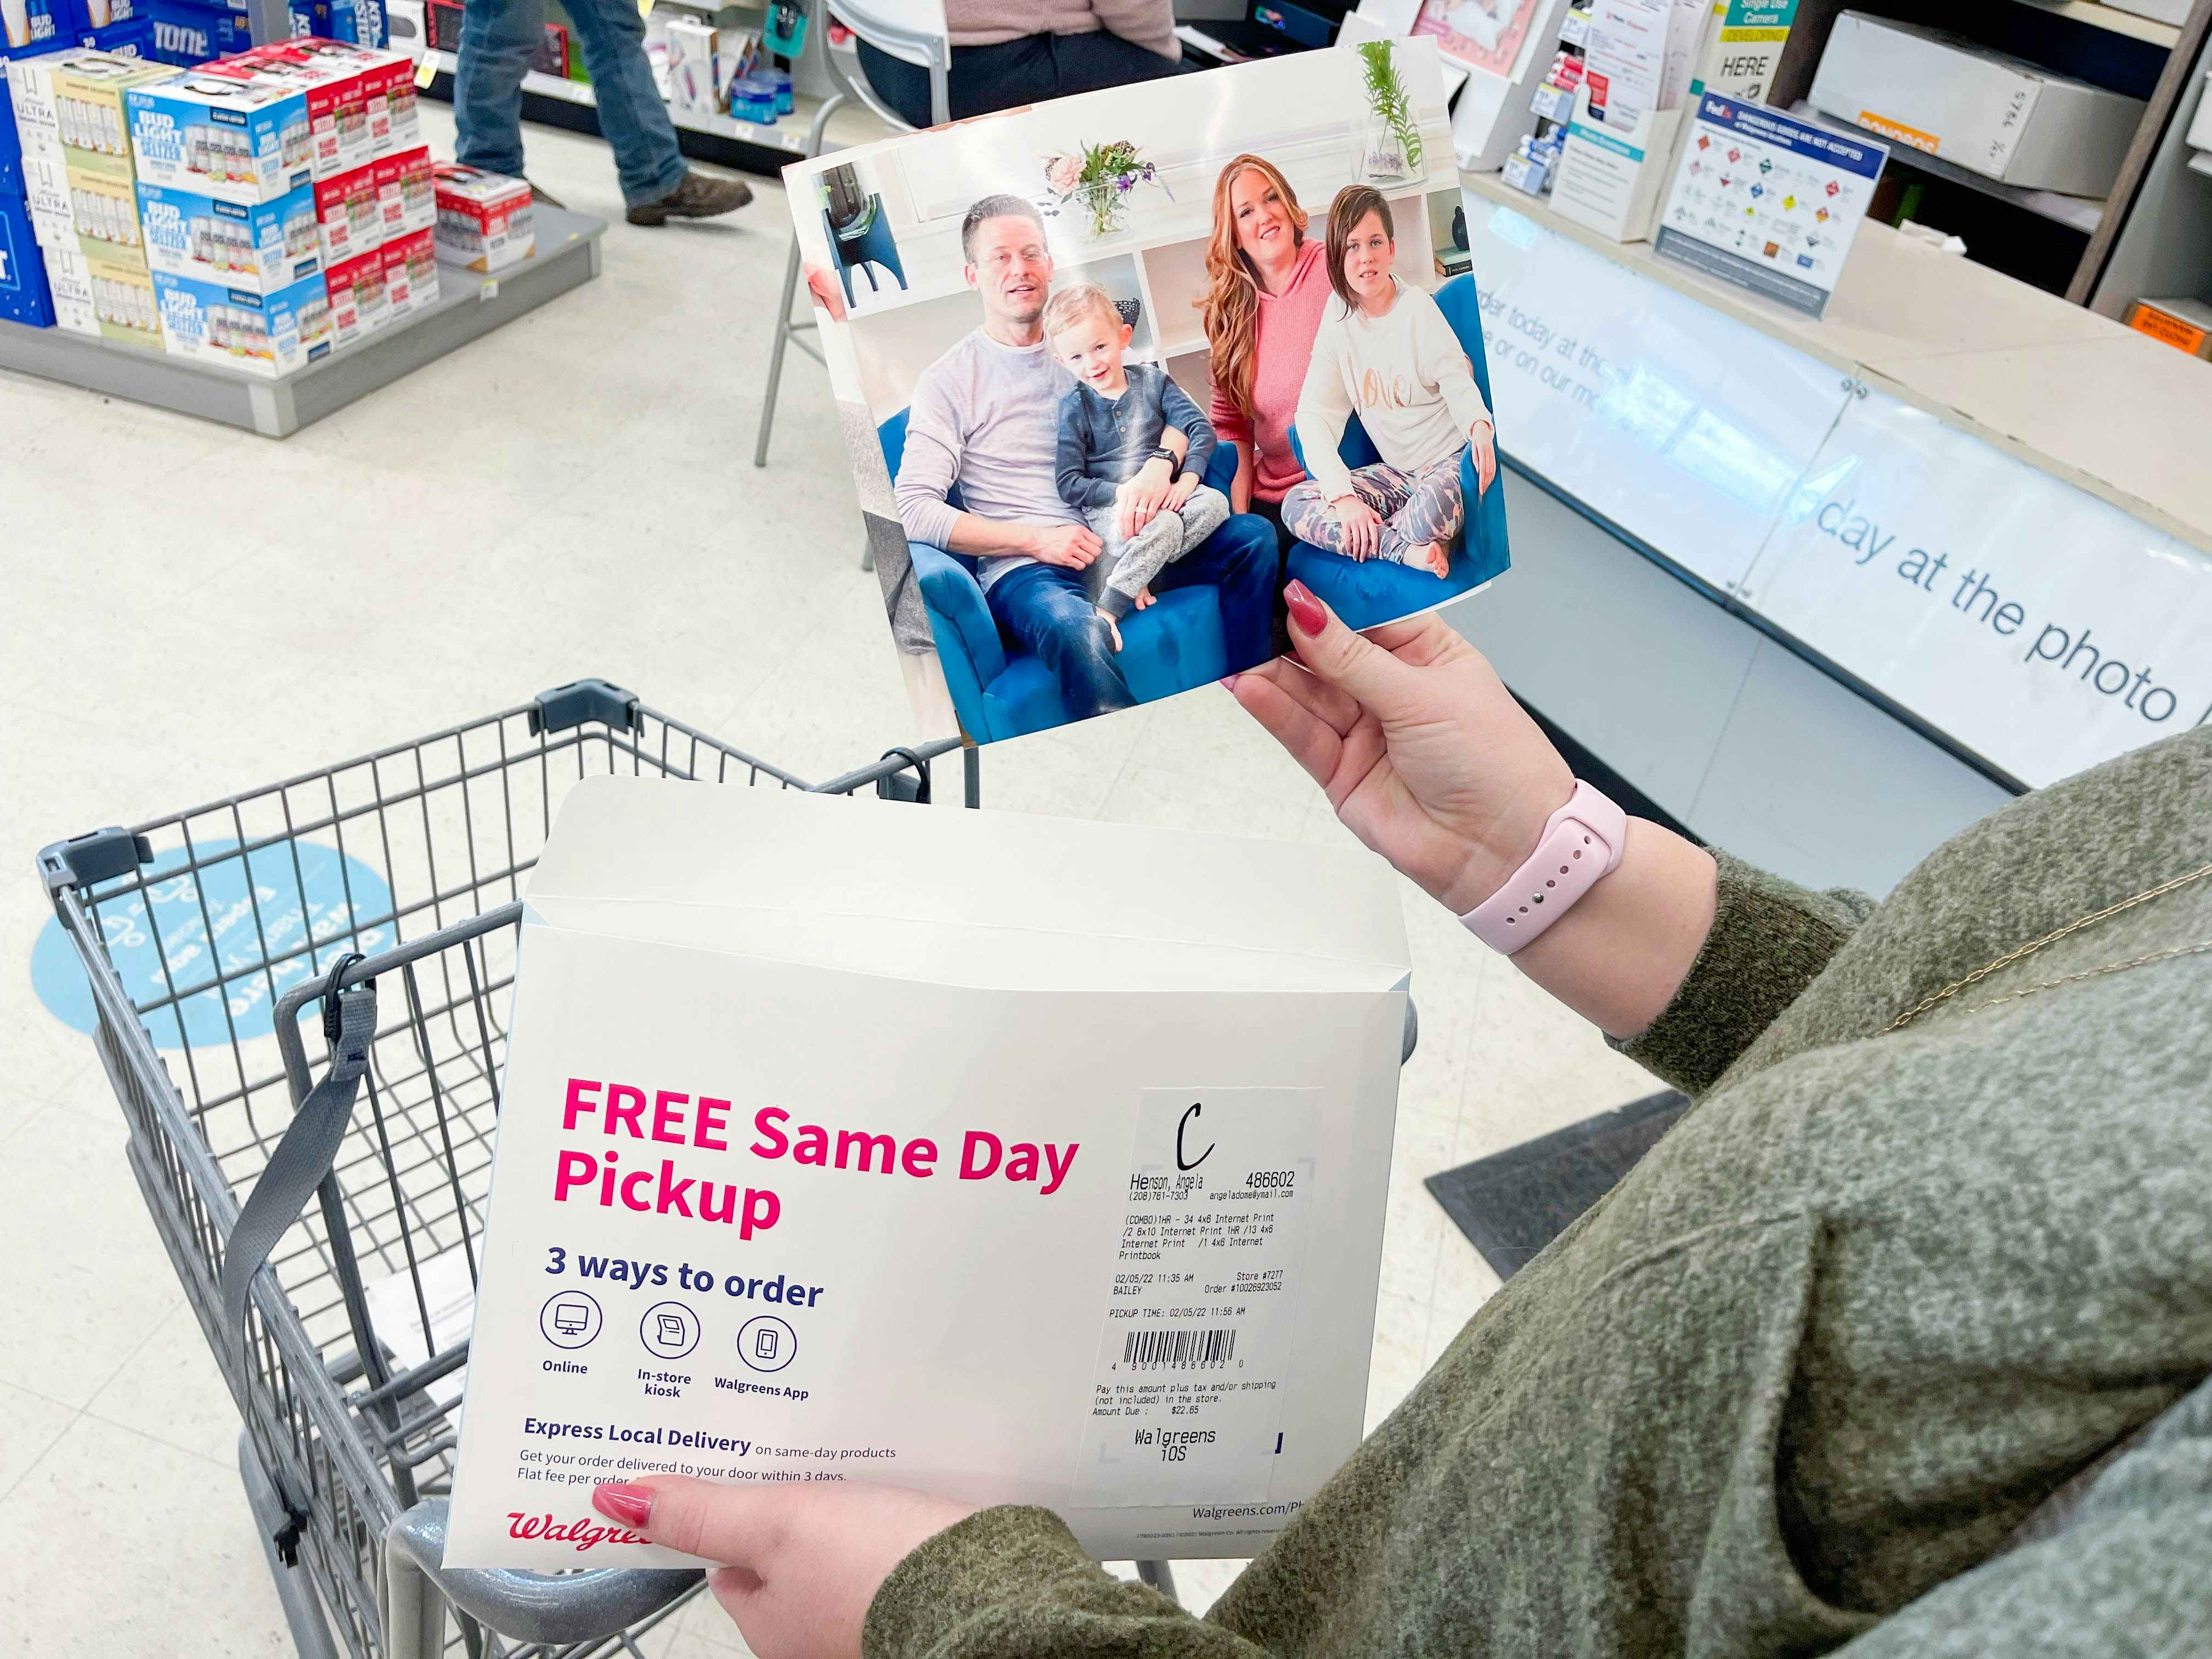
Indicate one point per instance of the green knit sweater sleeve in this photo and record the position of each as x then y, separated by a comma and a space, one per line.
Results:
1010, 1580
1769, 939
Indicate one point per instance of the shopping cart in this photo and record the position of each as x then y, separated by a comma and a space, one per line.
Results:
208, 937
243, 940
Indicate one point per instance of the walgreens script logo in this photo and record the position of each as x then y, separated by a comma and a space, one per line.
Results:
583, 1533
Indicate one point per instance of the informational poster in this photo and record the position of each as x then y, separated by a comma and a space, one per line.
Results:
1769, 202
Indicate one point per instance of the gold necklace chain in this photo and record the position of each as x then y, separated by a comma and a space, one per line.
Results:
2033, 946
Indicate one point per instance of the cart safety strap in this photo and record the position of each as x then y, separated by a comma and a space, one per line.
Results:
304, 1155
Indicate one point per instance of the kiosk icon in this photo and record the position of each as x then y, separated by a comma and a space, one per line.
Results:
668, 1330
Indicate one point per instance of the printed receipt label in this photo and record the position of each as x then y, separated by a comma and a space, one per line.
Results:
1203, 1312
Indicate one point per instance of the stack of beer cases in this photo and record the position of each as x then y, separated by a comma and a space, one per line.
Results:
237, 162
79, 190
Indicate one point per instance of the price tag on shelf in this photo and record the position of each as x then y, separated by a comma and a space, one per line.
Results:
1574, 28
425, 72
1552, 103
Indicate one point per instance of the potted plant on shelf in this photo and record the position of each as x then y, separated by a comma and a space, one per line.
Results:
1097, 183
1389, 150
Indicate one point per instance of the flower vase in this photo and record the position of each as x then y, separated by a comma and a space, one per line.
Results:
1382, 155
1104, 204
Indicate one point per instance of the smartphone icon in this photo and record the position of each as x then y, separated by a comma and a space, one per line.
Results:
764, 1343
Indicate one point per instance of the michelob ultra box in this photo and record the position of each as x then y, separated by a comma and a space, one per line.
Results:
77, 100
267, 334
844, 1140
263, 247
123, 303
237, 138
484, 219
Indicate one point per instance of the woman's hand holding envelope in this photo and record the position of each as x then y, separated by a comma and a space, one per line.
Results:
800, 1564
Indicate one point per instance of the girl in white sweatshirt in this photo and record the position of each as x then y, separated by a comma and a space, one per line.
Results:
1386, 354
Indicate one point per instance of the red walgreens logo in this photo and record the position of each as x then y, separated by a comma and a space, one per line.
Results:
582, 1534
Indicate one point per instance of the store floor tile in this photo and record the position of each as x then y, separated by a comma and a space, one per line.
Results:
187, 611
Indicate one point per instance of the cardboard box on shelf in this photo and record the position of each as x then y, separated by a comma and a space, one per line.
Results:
442, 25
238, 138
484, 219
2185, 324
692, 80
358, 299
188, 33
266, 334
77, 98
347, 215
406, 193
38, 25
122, 299
1949, 97
262, 249
411, 273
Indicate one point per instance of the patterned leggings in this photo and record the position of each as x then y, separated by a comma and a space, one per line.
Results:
1416, 507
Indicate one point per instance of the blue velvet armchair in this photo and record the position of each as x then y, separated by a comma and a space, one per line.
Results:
1376, 590
1000, 689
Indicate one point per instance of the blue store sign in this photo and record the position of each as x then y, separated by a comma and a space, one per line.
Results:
202, 935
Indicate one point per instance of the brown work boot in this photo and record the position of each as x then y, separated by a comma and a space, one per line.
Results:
699, 197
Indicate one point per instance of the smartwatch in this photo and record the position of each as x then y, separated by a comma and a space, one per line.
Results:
1581, 845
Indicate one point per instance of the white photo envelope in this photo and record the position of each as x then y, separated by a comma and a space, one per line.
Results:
1013, 1157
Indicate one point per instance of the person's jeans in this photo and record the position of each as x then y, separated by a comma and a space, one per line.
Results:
1050, 610
498, 40
1037, 67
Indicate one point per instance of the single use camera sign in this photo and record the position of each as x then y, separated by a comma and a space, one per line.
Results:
993, 1155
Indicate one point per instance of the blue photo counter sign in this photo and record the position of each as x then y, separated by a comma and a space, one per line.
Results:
194, 934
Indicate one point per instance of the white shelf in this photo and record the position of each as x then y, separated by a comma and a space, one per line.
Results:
788, 134
2113, 18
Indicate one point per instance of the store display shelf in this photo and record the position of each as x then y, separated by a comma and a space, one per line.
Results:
788, 134
2113, 19
468, 306
2081, 213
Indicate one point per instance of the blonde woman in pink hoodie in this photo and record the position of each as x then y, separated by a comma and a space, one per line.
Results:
1006, 52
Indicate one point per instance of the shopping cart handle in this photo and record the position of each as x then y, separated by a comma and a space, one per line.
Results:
526, 1606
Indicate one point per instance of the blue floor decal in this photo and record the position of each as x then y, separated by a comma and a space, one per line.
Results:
182, 935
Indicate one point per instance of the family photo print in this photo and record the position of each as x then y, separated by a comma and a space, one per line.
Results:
1116, 368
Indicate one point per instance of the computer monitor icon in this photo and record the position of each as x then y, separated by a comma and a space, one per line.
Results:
671, 1328
571, 1318
765, 1342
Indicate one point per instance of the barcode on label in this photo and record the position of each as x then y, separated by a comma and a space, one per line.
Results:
1156, 1350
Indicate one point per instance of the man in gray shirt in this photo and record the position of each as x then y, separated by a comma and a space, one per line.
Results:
984, 417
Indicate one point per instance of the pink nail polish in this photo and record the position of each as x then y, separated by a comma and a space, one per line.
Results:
631, 1505
1305, 610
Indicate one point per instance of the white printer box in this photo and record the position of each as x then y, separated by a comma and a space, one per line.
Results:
2001, 116
1009, 1157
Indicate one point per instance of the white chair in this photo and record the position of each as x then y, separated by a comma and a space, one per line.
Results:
892, 28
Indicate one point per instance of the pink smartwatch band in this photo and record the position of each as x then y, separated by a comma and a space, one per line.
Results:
1581, 843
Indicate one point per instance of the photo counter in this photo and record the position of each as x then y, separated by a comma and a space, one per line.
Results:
1827, 591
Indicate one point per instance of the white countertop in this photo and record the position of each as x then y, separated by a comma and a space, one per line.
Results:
2108, 410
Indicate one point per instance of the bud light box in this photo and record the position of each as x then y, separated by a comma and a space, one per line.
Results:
265, 334
843, 1140
240, 140
36, 26
23, 295
264, 247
